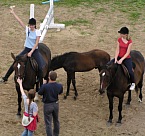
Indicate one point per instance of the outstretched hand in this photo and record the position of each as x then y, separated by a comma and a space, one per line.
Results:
12, 9
19, 81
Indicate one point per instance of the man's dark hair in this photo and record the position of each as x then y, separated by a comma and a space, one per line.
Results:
52, 75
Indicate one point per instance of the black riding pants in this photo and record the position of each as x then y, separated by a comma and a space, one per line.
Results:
128, 63
37, 56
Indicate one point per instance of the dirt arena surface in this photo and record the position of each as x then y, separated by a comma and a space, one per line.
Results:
87, 115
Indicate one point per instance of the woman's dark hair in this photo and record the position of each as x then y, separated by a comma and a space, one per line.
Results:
32, 21
31, 95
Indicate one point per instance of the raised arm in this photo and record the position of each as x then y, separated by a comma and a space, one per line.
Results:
21, 87
17, 18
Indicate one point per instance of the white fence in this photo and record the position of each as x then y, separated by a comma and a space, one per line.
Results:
48, 21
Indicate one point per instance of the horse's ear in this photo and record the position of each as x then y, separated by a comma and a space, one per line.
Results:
13, 56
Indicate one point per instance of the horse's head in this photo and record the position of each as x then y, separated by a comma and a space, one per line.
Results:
19, 66
57, 62
106, 76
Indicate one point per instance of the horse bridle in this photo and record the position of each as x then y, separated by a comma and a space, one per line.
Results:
19, 75
111, 77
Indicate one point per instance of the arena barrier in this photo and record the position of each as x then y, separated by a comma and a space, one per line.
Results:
48, 21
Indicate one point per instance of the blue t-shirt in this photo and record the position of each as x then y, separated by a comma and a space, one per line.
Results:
31, 37
50, 92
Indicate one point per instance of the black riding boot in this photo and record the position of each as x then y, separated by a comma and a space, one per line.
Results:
9, 72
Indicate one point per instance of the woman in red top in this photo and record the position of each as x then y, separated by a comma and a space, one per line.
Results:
122, 54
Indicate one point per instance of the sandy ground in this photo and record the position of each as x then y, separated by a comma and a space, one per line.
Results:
87, 115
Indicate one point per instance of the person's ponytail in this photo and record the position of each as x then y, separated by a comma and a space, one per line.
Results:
128, 37
30, 100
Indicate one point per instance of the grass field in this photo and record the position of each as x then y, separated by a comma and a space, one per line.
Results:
132, 8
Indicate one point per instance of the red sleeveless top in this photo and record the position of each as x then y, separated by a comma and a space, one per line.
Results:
123, 47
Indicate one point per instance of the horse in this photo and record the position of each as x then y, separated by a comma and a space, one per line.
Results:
26, 68
79, 62
115, 79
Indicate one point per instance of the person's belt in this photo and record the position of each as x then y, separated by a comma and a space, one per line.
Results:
52, 102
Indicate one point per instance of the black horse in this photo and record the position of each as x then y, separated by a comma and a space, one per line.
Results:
79, 62
115, 79
27, 69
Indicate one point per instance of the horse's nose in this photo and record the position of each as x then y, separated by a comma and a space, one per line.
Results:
101, 91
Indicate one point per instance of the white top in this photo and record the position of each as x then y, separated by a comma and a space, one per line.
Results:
31, 37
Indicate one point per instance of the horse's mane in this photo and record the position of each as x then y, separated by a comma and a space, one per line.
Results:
22, 58
64, 55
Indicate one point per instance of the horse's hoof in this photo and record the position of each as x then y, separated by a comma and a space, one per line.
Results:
19, 114
109, 123
127, 106
118, 124
36, 99
139, 100
65, 97
75, 97
127, 103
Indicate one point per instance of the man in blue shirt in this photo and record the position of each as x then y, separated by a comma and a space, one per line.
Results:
50, 92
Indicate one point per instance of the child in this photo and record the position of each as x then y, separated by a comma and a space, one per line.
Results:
31, 110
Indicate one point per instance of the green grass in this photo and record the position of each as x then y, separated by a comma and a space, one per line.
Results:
19, 2
132, 8
134, 15
76, 22
99, 10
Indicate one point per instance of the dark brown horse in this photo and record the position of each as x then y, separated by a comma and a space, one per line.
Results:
79, 62
116, 81
26, 69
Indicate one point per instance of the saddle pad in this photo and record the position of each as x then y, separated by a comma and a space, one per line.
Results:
34, 64
126, 70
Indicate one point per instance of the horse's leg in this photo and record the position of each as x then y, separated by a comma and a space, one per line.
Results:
109, 122
68, 84
19, 100
37, 89
74, 85
120, 110
129, 97
140, 87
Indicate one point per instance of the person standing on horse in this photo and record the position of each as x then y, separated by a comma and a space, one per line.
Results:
31, 46
122, 54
